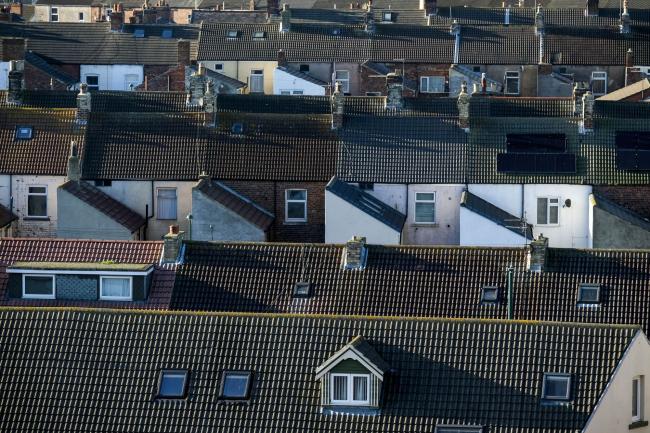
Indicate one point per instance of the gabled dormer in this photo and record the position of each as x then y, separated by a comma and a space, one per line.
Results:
351, 380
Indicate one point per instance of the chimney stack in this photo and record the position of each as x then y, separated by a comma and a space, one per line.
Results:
285, 15
209, 100
629, 58
338, 104
625, 19
355, 254
83, 104
196, 86
592, 8
172, 245
117, 18
539, 21
184, 52
16, 8
282, 59
394, 88
587, 112
272, 8
370, 22
430, 7
463, 107
578, 91
537, 251
74, 170
15, 88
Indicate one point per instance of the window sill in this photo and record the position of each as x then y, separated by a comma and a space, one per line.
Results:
425, 224
295, 223
637, 424
350, 410
33, 218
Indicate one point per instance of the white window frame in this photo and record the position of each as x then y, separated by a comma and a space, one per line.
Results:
555, 376
598, 76
548, 211
54, 12
344, 82
287, 92
52, 296
511, 75
458, 429
256, 73
350, 389
638, 387
115, 298
158, 217
286, 205
387, 17
424, 88
416, 201
582, 286
40, 194
92, 86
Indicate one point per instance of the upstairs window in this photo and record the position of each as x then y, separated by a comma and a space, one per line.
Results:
425, 207
366, 186
138, 33
387, 17
173, 384
343, 78
167, 203
637, 399
489, 295
556, 387
92, 81
432, 84
548, 211
116, 288
588, 294
304, 68
54, 14
38, 286
167, 34
536, 143
37, 201
350, 389
236, 385
296, 205
511, 83
103, 182
24, 132
81, 16
599, 83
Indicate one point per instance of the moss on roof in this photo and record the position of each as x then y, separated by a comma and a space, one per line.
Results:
101, 266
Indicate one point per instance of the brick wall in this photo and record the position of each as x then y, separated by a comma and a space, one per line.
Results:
77, 287
13, 49
370, 82
164, 78
35, 79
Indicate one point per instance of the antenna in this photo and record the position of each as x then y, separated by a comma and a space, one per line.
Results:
519, 224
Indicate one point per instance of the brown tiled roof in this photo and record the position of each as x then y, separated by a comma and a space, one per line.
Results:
6, 216
105, 204
634, 198
237, 203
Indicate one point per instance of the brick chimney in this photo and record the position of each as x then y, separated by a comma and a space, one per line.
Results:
16, 8
539, 21
355, 254
370, 22
285, 23
196, 86
184, 52
592, 8
463, 107
15, 88
83, 104
272, 8
430, 7
282, 59
587, 112
209, 100
173, 245
625, 19
117, 17
537, 252
338, 104
74, 169
632, 73
394, 89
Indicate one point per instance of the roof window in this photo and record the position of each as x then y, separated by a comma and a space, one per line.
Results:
236, 385
173, 384
138, 33
489, 295
302, 289
458, 429
337, 31
237, 128
387, 17
556, 387
232, 34
588, 294
24, 132
167, 33
259, 35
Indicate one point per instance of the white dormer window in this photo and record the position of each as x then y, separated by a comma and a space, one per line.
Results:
116, 288
350, 389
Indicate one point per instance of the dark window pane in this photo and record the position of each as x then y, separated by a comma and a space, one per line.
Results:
172, 384
295, 210
424, 212
37, 205
39, 286
235, 385
542, 211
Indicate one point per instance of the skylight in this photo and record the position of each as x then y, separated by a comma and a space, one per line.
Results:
24, 132
301, 289
167, 33
235, 385
138, 33
172, 384
387, 16
232, 34
556, 387
589, 294
489, 295
259, 35
237, 128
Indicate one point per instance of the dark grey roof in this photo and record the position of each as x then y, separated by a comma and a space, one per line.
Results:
108, 101
210, 16
363, 348
102, 368
495, 214
367, 204
622, 212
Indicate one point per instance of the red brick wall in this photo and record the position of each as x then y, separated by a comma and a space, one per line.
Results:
371, 83
13, 49
35, 79
164, 78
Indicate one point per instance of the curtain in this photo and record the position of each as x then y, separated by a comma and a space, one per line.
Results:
360, 392
116, 287
340, 388
167, 203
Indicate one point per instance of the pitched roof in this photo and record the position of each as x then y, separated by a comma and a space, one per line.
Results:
495, 214
365, 352
110, 101
367, 204
44, 99
6, 216
444, 367
627, 91
105, 204
634, 198
237, 203
54, 72
622, 212
225, 78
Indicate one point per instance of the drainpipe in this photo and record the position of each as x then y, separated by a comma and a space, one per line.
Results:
511, 300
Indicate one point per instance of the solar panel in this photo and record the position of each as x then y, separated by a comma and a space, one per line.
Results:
631, 159
536, 163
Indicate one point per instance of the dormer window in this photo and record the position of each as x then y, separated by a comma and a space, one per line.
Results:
116, 288
302, 289
350, 389
259, 35
489, 295
24, 132
173, 384
556, 387
236, 385
232, 34
38, 286
588, 294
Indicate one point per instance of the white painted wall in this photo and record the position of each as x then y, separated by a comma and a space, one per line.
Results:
476, 230
284, 81
4, 75
573, 228
393, 194
5, 190
114, 77
343, 221
28, 227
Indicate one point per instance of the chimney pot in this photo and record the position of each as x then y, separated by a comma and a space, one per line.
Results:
285, 18
74, 170
282, 59
537, 252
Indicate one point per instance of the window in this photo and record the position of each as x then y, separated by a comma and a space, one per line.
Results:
291, 92
37, 201
38, 286
166, 203
511, 80
173, 384
237, 128
103, 182
257, 81
138, 33
548, 211
259, 35
351, 389
115, 288
218, 67
54, 14
343, 78
425, 207
489, 295
599, 83
304, 68
81, 16
556, 386
296, 205
588, 293
387, 17
459, 429
93, 82
301, 289
232, 34
236, 385
167, 33
432, 84
373, 93
476, 69
24, 132
637, 399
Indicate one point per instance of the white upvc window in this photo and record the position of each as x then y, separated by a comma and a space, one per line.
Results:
556, 386
511, 83
425, 207
116, 288
257, 81
39, 286
350, 389
167, 203
432, 84
291, 92
296, 205
37, 201
92, 81
54, 14
637, 398
343, 78
599, 83
548, 211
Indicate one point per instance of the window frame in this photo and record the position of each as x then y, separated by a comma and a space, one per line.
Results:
387, 17
115, 298
27, 296
350, 389
458, 429
638, 388
344, 82
160, 188
18, 135
91, 86
598, 76
582, 302
298, 291
485, 300
506, 78
54, 12
232, 34
256, 73
428, 79
563, 376
186, 380
548, 209
287, 201
415, 205
249, 385
37, 194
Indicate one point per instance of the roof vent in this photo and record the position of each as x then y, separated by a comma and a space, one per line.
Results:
237, 128
336, 31
355, 254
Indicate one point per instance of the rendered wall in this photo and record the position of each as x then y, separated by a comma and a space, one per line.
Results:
284, 81
475, 230
113, 77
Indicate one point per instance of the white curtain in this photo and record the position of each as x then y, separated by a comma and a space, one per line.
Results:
116, 287
360, 388
340, 388
167, 203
